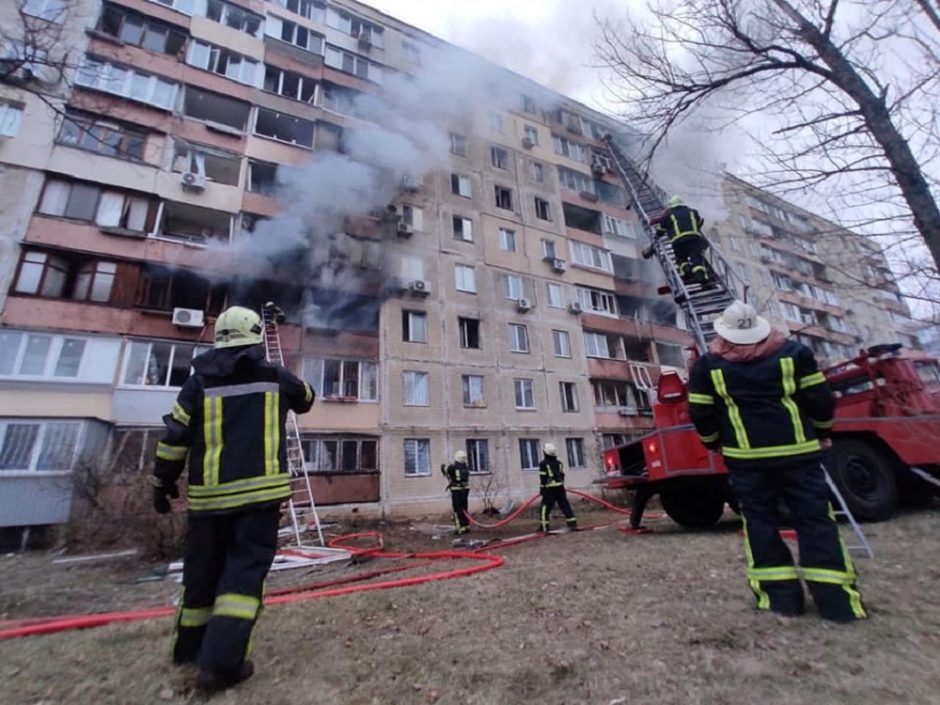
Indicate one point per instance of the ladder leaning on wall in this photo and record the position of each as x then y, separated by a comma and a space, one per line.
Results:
301, 505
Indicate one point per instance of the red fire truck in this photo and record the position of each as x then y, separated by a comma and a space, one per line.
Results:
886, 443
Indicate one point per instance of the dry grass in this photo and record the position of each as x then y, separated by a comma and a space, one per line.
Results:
593, 617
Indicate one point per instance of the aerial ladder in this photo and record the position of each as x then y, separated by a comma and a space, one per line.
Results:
701, 303
301, 505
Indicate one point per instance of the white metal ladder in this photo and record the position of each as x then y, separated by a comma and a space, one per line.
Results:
862, 546
303, 507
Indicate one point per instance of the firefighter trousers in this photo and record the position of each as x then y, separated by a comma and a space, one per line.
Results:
825, 564
227, 559
690, 256
550, 497
459, 500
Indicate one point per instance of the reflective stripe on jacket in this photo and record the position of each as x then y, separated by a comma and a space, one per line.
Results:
458, 476
682, 221
770, 407
551, 472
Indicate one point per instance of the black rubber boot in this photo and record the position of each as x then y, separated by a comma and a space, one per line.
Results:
213, 681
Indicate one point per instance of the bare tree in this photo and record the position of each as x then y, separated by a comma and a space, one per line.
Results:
34, 52
851, 87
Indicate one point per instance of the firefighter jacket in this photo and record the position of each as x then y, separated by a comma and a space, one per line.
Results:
679, 222
229, 419
761, 401
551, 472
458, 476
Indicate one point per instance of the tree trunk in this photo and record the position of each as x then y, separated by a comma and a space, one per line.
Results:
907, 173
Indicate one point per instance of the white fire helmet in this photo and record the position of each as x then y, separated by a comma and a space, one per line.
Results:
460, 457
676, 201
550, 449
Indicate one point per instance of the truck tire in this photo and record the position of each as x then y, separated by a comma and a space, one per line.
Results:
693, 509
865, 475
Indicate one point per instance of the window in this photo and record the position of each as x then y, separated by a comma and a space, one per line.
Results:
619, 394
529, 453
588, 256
537, 172
283, 127
465, 278
458, 144
499, 157
110, 139
157, 363
417, 457
469, 333
507, 240
325, 455
518, 338
575, 180
51, 10
478, 455
495, 122
503, 197
543, 209
463, 228
107, 209
234, 17
42, 274
184, 6
11, 115
616, 226
410, 54
572, 150
597, 301
223, 62
460, 185
416, 389
414, 326
125, 82
343, 379
352, 63
38, 446
473, 391
412, 216
294, 33
311, 9
137, 30
219, 112
262, 177
289, 84
569, 396
164, 288
548, 249
603, 345
555, 297
575, 448
562, 343
365, 32
213, 164
514, 287
524, 395
59, 356
528, 104
94, 281
531, 132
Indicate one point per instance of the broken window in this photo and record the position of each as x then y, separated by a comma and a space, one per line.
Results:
289, 84
163, 289
214, 164
340, 455
460, 185
412, 216
609, 193
137, 30
670, 354
109, 138
65, 276
223, 62
354, 26
581, 218
328, 138
285, 128
182, 221
543, 209
215, 109
352, 63
458, 144
88, 202
234, 17
503, 197
636, 349
341, 100
262, 177
294, 33
463, 228
499, 157
531, 133
469, 332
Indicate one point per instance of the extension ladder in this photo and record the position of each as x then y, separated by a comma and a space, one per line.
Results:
301, 505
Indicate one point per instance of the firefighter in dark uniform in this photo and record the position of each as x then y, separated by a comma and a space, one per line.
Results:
552, 489
229, 420
683, 226
759, 399
458, 482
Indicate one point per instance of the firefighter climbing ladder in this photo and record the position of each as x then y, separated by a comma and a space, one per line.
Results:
701, 305
302, 508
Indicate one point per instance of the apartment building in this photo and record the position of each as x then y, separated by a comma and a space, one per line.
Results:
486, 296
831, 287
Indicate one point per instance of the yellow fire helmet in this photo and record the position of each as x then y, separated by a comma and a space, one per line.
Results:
237, 326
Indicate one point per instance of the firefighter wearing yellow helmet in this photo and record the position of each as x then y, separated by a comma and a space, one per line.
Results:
229, 420
552, 489
458, 482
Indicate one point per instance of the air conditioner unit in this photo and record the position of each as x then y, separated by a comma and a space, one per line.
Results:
193, 181
575, 307
420, 286
559, 265
627, 411
528, 142
403, 230
187, 317
523, 305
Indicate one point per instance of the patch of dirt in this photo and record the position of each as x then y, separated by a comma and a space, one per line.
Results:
590, 617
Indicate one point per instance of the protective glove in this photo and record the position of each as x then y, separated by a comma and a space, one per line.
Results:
162, 494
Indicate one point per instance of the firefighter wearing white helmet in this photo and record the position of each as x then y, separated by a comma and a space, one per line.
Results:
458, 482
552, 489
683, 226
229, 420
